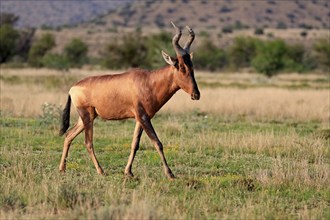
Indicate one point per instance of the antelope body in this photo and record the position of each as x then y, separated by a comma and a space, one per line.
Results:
135, 94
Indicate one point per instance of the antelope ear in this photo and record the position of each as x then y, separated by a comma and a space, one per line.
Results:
168, 59
191, 55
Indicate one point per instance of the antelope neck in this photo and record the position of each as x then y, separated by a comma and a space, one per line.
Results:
163, 84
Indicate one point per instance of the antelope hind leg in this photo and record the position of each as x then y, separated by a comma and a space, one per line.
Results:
72, 133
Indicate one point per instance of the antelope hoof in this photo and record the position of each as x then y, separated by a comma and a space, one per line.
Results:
62, 169
101, 172
129, 174
170, 176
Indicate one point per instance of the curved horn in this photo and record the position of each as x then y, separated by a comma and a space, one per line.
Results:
175, 41
190, 40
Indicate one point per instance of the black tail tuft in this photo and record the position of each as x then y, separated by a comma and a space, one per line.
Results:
65, 123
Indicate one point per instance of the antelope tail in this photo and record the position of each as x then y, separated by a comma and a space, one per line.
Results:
65, 122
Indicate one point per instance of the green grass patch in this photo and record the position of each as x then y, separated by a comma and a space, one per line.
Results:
225, 168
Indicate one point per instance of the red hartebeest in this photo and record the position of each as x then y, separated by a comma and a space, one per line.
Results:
135, 94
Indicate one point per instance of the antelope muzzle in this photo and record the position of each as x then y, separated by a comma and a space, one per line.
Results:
195, 95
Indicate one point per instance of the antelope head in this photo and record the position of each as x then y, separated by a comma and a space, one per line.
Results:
184, 71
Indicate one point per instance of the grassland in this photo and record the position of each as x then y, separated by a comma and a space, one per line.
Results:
252, 148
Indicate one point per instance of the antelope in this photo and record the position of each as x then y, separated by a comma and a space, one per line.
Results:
135, 94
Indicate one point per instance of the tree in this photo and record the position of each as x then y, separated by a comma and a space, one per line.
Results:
24, 43
39, 50
8, 19
210, 57
13, 43
269, 57
76, 52
242, 51
130, 52
156, 43
259, 31
55, 61
322, 50
8, 39
297, 59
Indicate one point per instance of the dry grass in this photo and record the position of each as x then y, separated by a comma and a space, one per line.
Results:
243, 170
262, 99
259, 103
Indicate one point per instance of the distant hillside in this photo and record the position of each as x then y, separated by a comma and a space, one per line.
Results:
157, 14
213, 14
37, 13
98, 22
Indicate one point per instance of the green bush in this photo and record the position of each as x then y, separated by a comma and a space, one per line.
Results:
259, 31
281, 25
322, 52
24, 44
14, 44
39, 50
75, 52
8, 19
242, 51
297, 59
156, 43
55, 61
8, 40
130, 52
304, 34
269, 57
209, 57
227, 29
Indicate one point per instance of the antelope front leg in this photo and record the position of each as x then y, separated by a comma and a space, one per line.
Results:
135, 146
147, 126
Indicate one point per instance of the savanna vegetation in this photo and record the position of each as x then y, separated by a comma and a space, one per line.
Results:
267, 56
250, 148
253, 147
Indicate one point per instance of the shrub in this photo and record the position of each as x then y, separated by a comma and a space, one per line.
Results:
304, 34
130, 52
297, 59
239, 26
269, 57
160, 21
204, 34
281, 25
55, 61
322, 52
156, 43
305, 26
210, 57
224, 9
242, 51
259, 31
39, 50
270, 35
227, 29
24, 43
51, 114
75, 53
8, 19
8, 39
